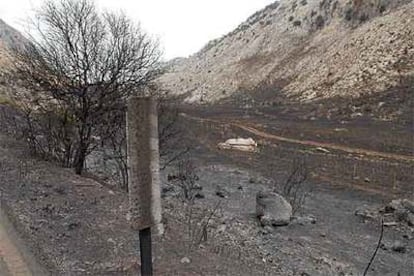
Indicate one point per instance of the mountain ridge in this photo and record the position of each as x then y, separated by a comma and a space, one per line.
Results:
9, 38
309, 49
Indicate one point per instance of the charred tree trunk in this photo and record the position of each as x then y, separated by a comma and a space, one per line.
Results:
82, 151
80, 159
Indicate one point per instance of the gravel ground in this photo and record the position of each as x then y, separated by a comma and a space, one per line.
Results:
77, 226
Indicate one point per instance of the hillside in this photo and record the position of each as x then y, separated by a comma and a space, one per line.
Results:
308, 49
9, 38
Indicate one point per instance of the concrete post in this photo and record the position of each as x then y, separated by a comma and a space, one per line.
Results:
143, 174
143, 163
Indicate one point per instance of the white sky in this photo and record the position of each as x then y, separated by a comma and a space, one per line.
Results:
183, 26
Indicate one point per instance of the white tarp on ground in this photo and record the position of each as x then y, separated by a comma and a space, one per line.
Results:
241, 144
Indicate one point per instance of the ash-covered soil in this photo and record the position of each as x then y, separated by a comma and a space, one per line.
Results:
77, 226
368, 173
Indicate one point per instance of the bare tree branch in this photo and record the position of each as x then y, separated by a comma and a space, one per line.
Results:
86, 63
376, 249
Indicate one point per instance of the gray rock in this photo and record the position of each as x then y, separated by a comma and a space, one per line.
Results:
304, 220
266, 230
322, 150
410, 219
200, 195
221, 228
401, 215
390, 224
398, 246
185, 260
366, 213
73, 225
272, 209
198, 187
222, 192
408, 237
167, 190
408, 205
403, 210
394, 205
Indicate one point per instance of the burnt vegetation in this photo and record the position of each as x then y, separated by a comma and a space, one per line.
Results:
295, 187
79, 69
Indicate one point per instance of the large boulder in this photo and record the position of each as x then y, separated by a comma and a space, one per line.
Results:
410, 220
272, 209
400, 205
408, 205
395, 205
239, 144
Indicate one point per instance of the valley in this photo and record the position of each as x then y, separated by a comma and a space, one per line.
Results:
323, 89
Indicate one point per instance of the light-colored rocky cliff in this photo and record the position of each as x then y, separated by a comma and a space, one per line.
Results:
311, 49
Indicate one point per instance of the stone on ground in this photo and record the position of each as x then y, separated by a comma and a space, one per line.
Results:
408, 204
272, 209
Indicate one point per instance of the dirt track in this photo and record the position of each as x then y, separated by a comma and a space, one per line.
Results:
349, 175
11, 260
347, 149
368, 155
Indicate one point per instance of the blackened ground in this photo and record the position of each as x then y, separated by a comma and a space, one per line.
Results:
342, 182
77, 226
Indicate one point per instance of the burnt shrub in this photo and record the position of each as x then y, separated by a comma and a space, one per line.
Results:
295, 186
297, 23
349, 14
319, 22
363, 18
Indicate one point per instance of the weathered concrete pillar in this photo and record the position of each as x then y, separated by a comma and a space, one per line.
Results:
143, 163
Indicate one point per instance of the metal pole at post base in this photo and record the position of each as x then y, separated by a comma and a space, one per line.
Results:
146, 251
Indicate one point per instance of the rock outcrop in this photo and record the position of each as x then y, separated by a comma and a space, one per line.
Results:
309, 50
9, 38
241, 144
398, 212
272, 209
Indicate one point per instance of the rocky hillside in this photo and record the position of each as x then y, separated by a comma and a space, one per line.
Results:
9, 38
308, 49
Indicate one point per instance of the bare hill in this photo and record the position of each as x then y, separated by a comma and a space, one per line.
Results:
309, 49
9, 38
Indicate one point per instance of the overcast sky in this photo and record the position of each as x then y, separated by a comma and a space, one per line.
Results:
183, 26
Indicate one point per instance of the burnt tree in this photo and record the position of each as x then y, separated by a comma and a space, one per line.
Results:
81, 66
